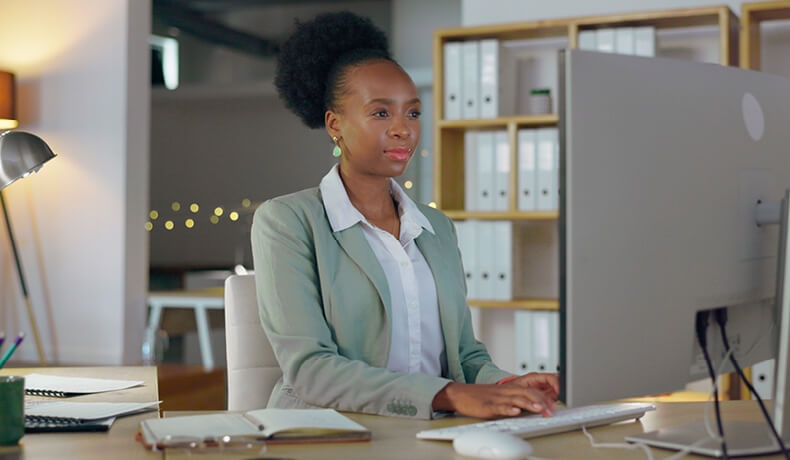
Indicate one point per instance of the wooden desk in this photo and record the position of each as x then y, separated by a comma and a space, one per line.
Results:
118, 443
394, 438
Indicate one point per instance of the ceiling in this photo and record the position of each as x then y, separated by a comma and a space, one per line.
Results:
203, 19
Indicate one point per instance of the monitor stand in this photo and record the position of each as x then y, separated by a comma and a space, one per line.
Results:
746, 438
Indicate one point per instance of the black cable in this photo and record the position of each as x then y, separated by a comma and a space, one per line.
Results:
702, 327
721, 319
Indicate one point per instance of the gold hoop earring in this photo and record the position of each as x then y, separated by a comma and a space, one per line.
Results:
336, 152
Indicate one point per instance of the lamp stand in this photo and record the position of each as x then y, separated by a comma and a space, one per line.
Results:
31, 315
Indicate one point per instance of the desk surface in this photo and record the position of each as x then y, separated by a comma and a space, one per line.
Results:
394, 438
118, 443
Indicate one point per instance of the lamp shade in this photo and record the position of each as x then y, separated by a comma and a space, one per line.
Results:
21, 153
7, 101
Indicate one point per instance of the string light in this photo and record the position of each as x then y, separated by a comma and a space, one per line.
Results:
234, 216
154, 214
169, 225
214, 219
246, 203
189, 223
176, 206
149, 226
432, 204
408, 184
194, 208
218, 211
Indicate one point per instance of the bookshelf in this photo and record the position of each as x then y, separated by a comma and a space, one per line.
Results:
717, 24
753, 15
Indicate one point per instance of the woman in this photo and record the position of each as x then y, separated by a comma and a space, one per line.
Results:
361, 291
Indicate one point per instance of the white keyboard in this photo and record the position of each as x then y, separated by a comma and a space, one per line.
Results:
537, 425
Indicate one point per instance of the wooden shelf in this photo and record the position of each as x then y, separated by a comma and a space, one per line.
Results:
752, 15
501, 122
503, 215
521, 304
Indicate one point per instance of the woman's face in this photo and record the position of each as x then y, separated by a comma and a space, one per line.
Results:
377, 121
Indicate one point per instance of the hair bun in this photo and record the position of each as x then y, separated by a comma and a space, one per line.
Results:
309, 54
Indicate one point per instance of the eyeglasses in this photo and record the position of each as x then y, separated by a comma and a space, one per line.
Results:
213, 445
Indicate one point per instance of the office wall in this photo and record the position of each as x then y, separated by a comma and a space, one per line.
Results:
82, 68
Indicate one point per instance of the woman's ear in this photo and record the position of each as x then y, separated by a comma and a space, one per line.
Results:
332, 124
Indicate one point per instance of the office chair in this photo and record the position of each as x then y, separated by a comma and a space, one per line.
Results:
252, 368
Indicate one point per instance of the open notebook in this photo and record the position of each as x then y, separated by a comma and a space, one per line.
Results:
272, 425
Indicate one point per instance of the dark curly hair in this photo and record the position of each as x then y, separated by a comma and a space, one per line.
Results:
313, 63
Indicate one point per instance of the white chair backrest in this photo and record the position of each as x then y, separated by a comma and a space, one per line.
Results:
252, 368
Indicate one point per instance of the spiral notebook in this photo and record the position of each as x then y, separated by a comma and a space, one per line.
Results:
62, 387
43, 417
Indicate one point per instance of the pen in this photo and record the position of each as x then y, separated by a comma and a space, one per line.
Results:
11, 349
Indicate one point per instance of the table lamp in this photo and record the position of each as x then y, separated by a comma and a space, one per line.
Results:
21, 153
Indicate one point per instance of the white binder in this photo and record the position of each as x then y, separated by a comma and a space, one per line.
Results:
467, 245
624, 40
470, 84
525, 361
452, 80
763, 378
470, 171
554, 341
548, 172
486, 260
541, 339
503, 260
605, 40
485, 171
587, 40
501, 171
527, 161
645, 41
497, 76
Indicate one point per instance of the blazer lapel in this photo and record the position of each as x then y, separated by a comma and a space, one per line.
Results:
431, 248
353, 242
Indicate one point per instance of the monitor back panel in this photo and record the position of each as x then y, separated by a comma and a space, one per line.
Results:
661, 164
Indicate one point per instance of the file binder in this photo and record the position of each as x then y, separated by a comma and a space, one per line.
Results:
548, 173
645, 41
541, 339
605, 40
496, 80
485, 171
486, 260
470, 84
525, 361
503, 260
527, 171
502, 172
452, 80
624, 40
471, 172
467, 245
554, 341
587, 40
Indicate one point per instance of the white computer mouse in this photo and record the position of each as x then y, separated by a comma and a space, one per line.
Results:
491, 445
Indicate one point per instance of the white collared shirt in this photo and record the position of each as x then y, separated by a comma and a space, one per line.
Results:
417, 344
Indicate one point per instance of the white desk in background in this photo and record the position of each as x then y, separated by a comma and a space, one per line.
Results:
199, 300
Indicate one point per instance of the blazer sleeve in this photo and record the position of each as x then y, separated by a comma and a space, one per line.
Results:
291, 310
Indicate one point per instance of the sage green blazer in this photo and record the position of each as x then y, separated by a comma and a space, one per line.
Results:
325, 305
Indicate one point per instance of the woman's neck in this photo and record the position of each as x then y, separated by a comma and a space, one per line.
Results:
370, 195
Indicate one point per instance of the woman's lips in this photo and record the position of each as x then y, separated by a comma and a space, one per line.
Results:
398, 154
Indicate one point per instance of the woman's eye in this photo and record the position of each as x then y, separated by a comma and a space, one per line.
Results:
415, 115
380, 113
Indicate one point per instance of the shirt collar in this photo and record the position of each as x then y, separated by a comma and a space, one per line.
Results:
342, 214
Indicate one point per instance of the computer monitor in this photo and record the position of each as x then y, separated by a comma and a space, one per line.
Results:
662, 165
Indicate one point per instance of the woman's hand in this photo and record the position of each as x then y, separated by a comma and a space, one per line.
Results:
532, 392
